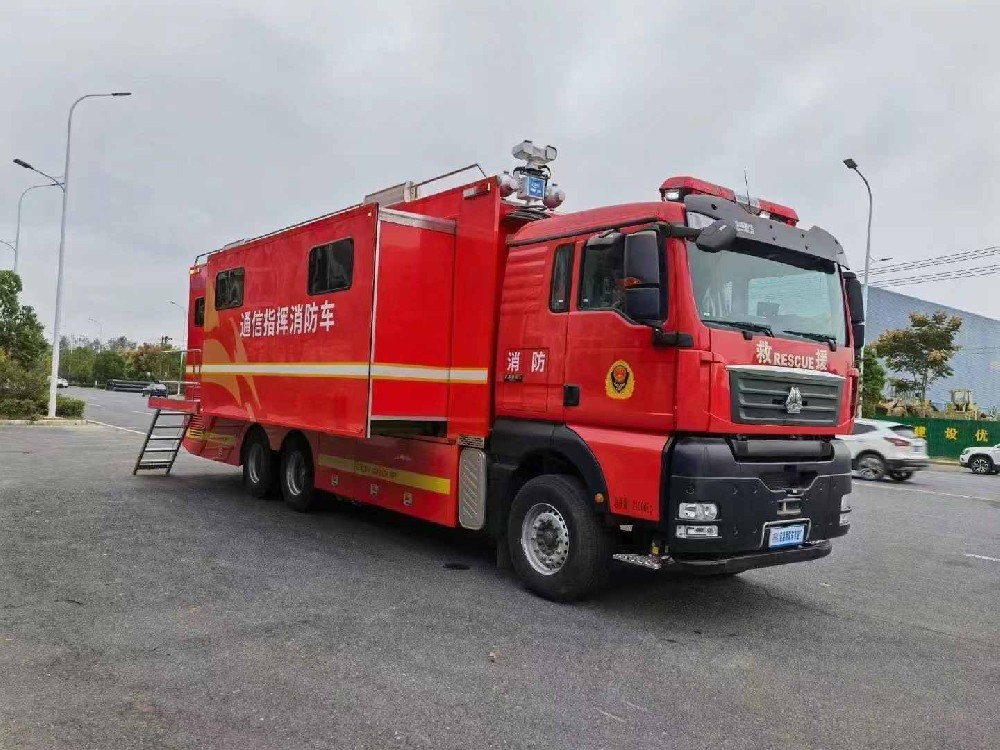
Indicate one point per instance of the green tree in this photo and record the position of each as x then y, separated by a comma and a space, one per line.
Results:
22, 337
873, 383
157, 361
109, 365
77, 364
923, 351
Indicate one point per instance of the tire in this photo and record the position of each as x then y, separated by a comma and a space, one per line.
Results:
296, 477
981, 464
260, 465
871, 467
900, 476
558, 546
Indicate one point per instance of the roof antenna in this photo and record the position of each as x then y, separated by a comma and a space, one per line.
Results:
746, 181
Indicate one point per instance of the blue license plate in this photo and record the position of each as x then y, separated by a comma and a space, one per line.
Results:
786, 536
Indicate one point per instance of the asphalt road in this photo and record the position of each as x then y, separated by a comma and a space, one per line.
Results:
127, 410
174, 612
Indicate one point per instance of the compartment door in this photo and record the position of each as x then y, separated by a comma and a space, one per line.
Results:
411, 328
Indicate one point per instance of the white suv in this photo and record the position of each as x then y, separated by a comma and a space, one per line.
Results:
880, 449
982, 460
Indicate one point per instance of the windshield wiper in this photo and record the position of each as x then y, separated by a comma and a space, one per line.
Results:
825, 338
745, 325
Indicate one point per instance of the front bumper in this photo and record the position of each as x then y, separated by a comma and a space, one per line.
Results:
749, 561
755, 484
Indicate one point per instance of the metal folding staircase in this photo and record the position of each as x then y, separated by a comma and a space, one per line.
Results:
163, 441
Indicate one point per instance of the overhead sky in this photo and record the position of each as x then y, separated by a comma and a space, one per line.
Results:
249, 116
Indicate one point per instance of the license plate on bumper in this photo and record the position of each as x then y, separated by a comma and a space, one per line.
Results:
786, 536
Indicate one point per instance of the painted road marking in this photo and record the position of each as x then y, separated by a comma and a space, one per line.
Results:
116, 427
934, 492
984, 557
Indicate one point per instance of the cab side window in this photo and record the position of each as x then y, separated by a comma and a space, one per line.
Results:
199, 312
562, 270
601, 276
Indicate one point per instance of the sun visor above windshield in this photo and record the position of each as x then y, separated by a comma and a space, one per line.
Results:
815, 242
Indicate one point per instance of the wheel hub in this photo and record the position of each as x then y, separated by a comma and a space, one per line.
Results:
545, 539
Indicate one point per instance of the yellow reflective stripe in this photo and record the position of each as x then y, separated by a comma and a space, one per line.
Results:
221, 438
428, 482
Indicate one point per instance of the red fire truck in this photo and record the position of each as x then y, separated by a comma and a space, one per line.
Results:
658, 382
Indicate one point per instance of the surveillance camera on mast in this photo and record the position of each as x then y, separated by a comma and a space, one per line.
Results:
530, 181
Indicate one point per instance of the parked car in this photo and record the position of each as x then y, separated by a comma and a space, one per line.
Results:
981, 459
62, 383
155, 389
880, 448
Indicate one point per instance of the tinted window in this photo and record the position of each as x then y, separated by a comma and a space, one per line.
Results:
331, 266
861, 429
199, 312
903, 430
562, 268
229, 288
601, 276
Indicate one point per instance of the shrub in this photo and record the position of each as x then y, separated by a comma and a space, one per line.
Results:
20, 384
19, 408
71, 408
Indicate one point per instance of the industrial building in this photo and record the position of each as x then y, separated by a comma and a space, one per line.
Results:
976, 366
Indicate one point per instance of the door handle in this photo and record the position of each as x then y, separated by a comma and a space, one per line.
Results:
571, 395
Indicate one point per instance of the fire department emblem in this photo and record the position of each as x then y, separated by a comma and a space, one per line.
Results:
793, 404
620, 381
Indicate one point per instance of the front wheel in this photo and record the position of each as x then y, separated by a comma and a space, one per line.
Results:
871, 467
981, 465
900, 476
297, 484
558, 546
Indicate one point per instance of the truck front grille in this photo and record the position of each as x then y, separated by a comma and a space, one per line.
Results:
760, 395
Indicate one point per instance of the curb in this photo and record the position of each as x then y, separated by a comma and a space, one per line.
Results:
43, 422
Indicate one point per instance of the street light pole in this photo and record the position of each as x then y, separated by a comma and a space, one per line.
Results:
62, 248
853, 165
17, 233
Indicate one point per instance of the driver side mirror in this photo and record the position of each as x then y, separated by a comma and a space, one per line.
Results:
644, 277
716, 236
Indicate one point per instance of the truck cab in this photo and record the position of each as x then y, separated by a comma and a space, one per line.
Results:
696, 354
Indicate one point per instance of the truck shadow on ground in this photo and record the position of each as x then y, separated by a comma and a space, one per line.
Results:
725, 607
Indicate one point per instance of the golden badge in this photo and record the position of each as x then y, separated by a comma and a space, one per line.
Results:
620, 381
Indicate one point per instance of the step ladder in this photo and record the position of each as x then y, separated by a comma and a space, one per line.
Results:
163, 441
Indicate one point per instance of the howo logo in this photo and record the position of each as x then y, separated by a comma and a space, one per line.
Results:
766, 355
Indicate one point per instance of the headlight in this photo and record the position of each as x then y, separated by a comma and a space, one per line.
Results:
698, 511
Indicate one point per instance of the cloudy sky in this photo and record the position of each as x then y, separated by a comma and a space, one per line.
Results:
248, 116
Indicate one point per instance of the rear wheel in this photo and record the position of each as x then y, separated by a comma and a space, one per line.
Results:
871, 467
981, 465
260, 465
900, 476
558, 546
297, 484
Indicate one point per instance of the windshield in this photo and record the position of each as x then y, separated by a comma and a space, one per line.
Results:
785, 294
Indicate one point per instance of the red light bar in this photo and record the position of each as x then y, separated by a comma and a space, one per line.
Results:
675, 188
694, 185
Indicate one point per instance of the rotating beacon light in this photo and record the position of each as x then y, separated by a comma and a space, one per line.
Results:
530, 182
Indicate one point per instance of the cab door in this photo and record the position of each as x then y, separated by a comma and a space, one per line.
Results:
621, 379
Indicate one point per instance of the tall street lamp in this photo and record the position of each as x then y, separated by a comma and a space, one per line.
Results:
17, 234
853, 165
62, 246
